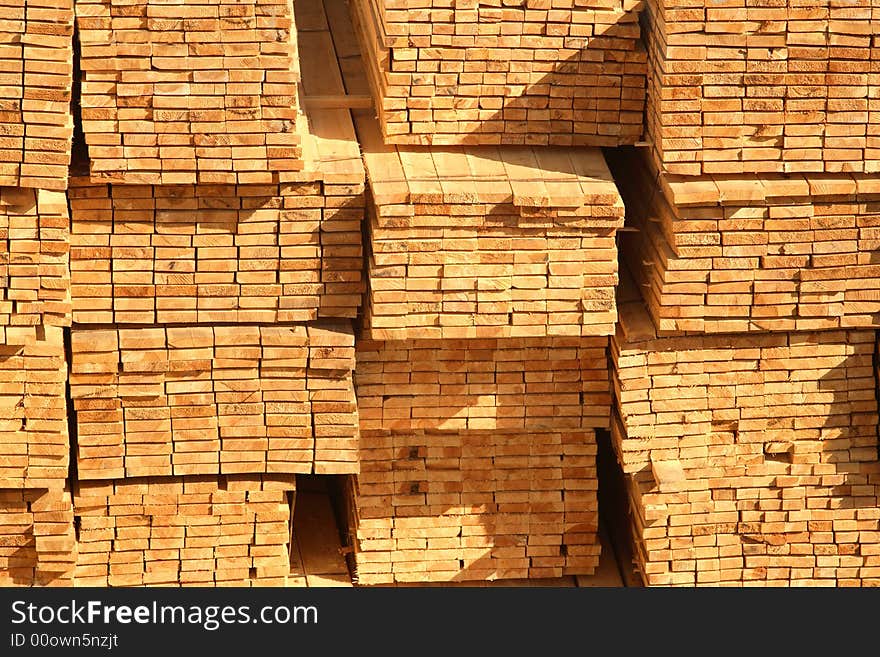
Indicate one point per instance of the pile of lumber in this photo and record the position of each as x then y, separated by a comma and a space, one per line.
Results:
214, 400
522, 72
476, 505
216, 258
489, 242
34, 446
756, 87
478, 458
215, 253
746, 405
509, 384
752, 458
182, 93
37, 540
193, 531
452, 351
34, 271
777, 252
36, 78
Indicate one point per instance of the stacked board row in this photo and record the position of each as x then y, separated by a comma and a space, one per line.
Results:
191, 531
38, 545
489, 242
211, 400
196, 254
205, 92
755, 87
529, 72
478, 458
750, 254
36, 83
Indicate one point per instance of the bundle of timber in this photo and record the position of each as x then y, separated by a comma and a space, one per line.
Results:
476, 505
34, 445
34, 272
215, 253
534, 384
522, 72
37, 538
755, 87
486, 242
750, 459
190, 92
208, 400
744, 253
194, 531
36, 78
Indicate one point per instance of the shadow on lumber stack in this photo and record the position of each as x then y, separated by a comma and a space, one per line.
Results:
523, 73
478, 458
751, 459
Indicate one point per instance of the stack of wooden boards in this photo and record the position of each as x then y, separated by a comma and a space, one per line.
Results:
744, 86
752, 458
34, 445
198, 92
37, 538
523, 72
212, 264
34, 270
746, 402
37, 542
757, 253
197, 531
487, 242
481, 368
216, 256
214, 253
505, 384
36, 79
209, 400
478, 458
